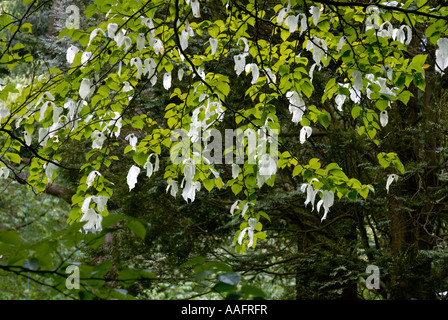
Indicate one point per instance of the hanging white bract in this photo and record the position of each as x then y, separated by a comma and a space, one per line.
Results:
131, 178
252, 222
390, 178
91, 178
442, 55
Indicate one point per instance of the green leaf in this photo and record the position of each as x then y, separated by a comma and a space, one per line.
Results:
209, 184
356, 111
217, 265
382, 160
32, 264
112, 219
236, 188
13, 157
193, 261
11, 237
231, 278
253, 291
324, 119
138, 228
223, 287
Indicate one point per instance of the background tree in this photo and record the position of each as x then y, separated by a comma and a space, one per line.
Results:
354, 89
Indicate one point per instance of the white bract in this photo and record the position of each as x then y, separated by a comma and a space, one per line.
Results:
246, 44
91, 178
137, 62
234, 206
86, 57
442, 55
4, 172
270, 77
252, 222
43, 136
195, 8
319, 48
132, 139
150, 70
310, 192
116, 122
390, 178
131, 178
173, 185
43, 109
49, 169
399, 34
98, 139
150, 168
384, 118
100, 201
240, 63
255, 71
267, 166
327, 201
27, 138
340, 99
341, 43
93, 221
71, 53
245, 207
315, 12
167, 80
56, 113
157, 45
292, 23
94, 33
235, 170
111, 29
282, 12
140, 41
296, 105
85, 88
4, 113
357, 80
305, 133
180, 74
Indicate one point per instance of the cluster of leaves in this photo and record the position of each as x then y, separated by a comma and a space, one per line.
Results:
254, 66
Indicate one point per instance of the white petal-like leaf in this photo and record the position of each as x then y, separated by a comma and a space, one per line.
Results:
240, 63
84, 88
167, 80
195, 8
235, 171
390, 178
315, 12
137, 62
442, 55
340, 99
132, 177
305, 133
213, 45
111, 29
91, 178
27, 138
140, 41
292, 22
384, 118
71, 53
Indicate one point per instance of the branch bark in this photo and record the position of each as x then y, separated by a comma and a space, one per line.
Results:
53, 189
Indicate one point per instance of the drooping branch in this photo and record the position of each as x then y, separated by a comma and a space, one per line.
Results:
53, 189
